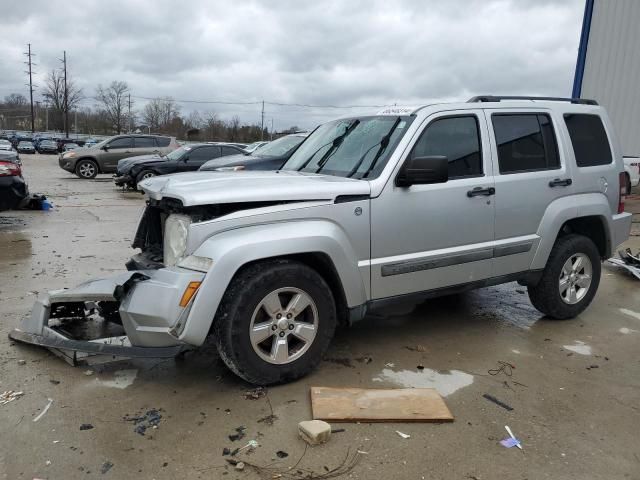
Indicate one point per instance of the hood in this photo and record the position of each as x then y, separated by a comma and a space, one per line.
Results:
128, 162
210, 188
224, 161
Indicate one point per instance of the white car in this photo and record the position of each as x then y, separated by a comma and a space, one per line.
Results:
632, 169
5, 145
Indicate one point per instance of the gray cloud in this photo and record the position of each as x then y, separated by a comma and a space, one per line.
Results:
326, 52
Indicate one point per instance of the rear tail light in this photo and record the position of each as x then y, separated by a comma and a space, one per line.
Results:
622, 181
8, 169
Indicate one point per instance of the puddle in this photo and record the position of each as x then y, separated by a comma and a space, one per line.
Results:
121, 379
626, 330
630, 313
579, 347
445, 383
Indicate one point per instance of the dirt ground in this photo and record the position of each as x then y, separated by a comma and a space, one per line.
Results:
574, 388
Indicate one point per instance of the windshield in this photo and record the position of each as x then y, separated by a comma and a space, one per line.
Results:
280, 147
177, 153
353, 147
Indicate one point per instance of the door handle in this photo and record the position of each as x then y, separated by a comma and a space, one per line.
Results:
479, 191
560, 182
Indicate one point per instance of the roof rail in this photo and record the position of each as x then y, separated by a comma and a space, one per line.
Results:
498, 98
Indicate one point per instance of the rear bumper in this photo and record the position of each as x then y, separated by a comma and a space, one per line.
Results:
129, 315
620, 229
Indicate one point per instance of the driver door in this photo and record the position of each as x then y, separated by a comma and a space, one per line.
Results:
426, 237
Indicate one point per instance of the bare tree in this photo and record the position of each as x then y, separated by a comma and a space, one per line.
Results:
54, 93
114, 101
161, 113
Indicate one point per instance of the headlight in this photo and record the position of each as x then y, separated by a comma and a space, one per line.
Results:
69, 154
193, 262
230, 169
176, 230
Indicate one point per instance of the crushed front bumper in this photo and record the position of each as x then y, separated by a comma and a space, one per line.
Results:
123, 180
129, 315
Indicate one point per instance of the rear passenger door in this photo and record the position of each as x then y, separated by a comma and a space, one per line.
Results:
530, 174
145, 145
118, 148
228, 150
198, 156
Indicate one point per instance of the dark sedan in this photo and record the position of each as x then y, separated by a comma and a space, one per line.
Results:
26, 147
47, 146
188, 158
13, 188
269, 157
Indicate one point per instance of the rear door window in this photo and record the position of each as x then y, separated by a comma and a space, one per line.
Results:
526, 142
163, 141
145, 142
589, 139
230, 151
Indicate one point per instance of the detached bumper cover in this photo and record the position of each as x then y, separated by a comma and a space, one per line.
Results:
128, 315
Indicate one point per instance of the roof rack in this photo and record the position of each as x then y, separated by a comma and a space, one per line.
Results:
498, 98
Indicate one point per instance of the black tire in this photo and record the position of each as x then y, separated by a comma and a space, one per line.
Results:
144, 174
245, 293
627, 183
86, 169
545, 295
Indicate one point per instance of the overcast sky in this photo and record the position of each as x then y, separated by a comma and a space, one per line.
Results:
351, 52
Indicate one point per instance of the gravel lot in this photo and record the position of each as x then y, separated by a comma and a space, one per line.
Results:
575, 388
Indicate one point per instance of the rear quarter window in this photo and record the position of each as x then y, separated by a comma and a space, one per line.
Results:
163, 141
589, 139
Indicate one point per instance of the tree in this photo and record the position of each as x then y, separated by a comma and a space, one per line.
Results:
15, 100
162, 115
113, 101
54, 93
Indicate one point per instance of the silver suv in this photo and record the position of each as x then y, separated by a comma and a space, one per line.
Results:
369, 211
103, 157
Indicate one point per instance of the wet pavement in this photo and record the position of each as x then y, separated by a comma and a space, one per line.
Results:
574, 386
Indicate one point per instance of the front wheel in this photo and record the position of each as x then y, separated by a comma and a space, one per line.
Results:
275, 322
143, 175
87, 169
570, 278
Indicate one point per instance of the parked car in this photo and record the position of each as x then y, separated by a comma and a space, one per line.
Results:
90, 142
187, 158
13, 188
25, 147
5, 145
270, 157
254, 146
10, 156
632, 170
103, 158
47, 146
369, 211
62, 142
70, 146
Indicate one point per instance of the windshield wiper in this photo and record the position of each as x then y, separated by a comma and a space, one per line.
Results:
337, 139
336, 144
384, 142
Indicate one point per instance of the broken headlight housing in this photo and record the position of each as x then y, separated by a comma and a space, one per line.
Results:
176, 231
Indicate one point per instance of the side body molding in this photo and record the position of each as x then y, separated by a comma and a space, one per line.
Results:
232, 249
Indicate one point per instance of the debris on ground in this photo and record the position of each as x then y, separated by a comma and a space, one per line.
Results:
379, 405
628, 261
22, 362
150, 419
403, 435
226, 451
365, 360
44, 410
239, 435
390, 365
255, 394
417, 348
9, 396
86, 426
269, 419
54, 382
240, 466
503, 367
493, 399
337, 430
281, 454
511, 441
252, 445
345, 362
88, 373
106, 466
314, 432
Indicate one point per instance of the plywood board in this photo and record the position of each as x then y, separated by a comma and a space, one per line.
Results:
379, 405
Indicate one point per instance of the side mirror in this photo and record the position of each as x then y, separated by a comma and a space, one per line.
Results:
424, 170
105, 148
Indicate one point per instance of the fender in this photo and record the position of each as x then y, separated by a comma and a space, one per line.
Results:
232, 249
568, 208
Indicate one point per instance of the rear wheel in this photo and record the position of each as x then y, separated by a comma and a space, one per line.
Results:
87, 169
570, 278
275, 322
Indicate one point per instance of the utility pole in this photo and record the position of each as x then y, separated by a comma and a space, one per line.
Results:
46, 118
28, 62
262, 123
66, 96
129, 102
271, 132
